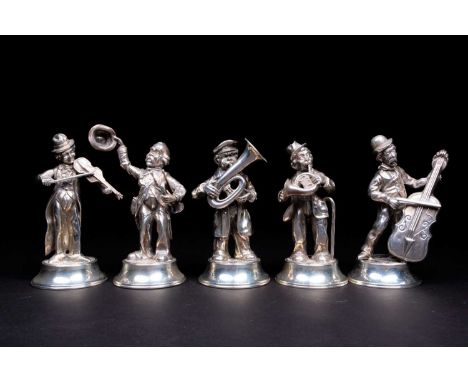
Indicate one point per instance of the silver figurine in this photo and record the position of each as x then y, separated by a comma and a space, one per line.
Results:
411, 216
68, 268
304, 191
232, 219
160, 196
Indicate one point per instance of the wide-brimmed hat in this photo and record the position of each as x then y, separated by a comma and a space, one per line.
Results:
379, 143
294, 148
226, 147
62, 143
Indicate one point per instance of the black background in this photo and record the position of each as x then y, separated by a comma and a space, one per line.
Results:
192, 93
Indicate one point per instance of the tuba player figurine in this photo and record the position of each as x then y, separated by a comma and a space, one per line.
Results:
160, 195
231, 219
304, 191
68, 268
412, 218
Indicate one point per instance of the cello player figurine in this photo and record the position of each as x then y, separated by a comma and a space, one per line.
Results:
412, 218
68, 268
304, 191
159, 196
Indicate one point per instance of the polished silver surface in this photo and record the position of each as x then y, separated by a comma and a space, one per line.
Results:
63, 216
69, 275
234, 274
250, 155
159, 196
232, 219
311, 275
411, 217
383, 272
149, 274
320, 270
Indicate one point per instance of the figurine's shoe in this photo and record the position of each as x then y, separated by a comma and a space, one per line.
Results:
322, 257
220, 256
364, 255
246, 255
78, 258
162, 257
138, 255
299, 257
57, 258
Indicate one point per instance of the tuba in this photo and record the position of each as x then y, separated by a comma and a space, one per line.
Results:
250, 155
103, 138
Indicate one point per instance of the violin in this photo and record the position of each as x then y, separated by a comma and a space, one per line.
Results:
84, 166
409, 240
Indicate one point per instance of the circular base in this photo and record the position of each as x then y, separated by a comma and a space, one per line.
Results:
149, 274
234, 274
69, 275
383, 272
311, 275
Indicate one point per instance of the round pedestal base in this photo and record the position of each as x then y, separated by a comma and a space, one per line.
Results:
312, 275
69, 275
234, 274
149, 274
383, 272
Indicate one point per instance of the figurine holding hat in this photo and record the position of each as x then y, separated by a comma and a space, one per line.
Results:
159, 196
68, 268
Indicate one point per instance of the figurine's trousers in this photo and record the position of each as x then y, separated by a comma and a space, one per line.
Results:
234, 220
147, 217
319, 231
384, 215
67, 227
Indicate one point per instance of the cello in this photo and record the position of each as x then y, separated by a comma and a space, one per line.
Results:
409, 240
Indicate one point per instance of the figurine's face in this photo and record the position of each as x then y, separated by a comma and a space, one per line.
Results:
68, 156
156, 159
302, 159
227, 161
389, 156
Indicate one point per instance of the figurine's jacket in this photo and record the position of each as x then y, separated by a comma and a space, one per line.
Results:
224, 216
389, 182
66, 196
152, 181
310, 205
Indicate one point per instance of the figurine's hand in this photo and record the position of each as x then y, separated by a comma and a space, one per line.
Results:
252, 196
169, 199
394, 203
119, 196
281, 197
47, 181
212, 191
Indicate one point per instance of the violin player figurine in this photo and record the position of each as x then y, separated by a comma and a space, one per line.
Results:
231, 219
412, 218
68, 268
160, 196
321, 270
